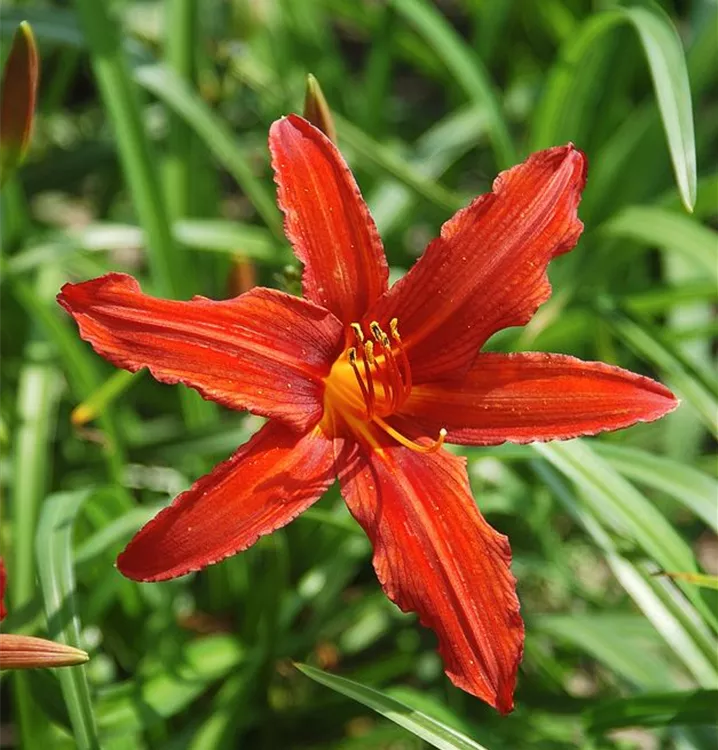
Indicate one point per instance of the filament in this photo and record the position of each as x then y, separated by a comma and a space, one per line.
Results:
411, 444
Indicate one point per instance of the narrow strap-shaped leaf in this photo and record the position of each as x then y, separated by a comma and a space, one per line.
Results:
466, 67
692, 707
174, 92
666, 61
419, 724
622, 508
53, 546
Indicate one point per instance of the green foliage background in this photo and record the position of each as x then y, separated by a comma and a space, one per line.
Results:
149, 156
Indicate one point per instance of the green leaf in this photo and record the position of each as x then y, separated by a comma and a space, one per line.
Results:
466, 68
168, 688
664, 53
618, 504
672, 616
219, 139
697, 387
394, 164
430, 730
697, 579
57, 579
654, 710
625, 643
669, 231
666, 61
694, 489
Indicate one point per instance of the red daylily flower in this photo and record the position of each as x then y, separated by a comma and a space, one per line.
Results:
28, 651
365, 383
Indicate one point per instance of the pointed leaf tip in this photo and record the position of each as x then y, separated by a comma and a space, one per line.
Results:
17, 100
316, 109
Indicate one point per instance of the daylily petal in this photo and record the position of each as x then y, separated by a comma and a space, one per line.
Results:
487, 270
264, 351
28, 652
3, 585
269, 481
434, 554
533, 396
327, 221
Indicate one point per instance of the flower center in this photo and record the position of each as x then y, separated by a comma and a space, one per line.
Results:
371, 380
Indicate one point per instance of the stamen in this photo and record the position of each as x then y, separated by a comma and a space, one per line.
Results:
405, 366
369, 349
357, 332
367, 356
352, 355
376, 331
395, 374
410, 444
380, 373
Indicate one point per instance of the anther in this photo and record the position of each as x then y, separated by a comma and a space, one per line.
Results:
411, 444
376, 331
369, 349
357, 332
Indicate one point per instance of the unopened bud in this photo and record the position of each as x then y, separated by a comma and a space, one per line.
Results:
17, 100
28, 652
316, 109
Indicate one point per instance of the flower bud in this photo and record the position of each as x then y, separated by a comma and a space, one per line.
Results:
316, 109
28, 652
17, 100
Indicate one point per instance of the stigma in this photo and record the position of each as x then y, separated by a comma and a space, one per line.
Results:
371, 381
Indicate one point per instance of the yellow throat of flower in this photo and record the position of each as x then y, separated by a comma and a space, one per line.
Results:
369, 382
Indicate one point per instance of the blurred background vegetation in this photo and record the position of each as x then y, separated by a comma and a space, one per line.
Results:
149, 156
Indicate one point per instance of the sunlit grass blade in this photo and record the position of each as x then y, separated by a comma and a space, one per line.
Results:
697, 579
57, 579
698, 388
82, 375
120, 99
691, 707
419, 724
38, 392
671, 615
672, 232
666, 61
110, 390
393, 164
622, 508
625, 643
694, 489
466, 68
180, 53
